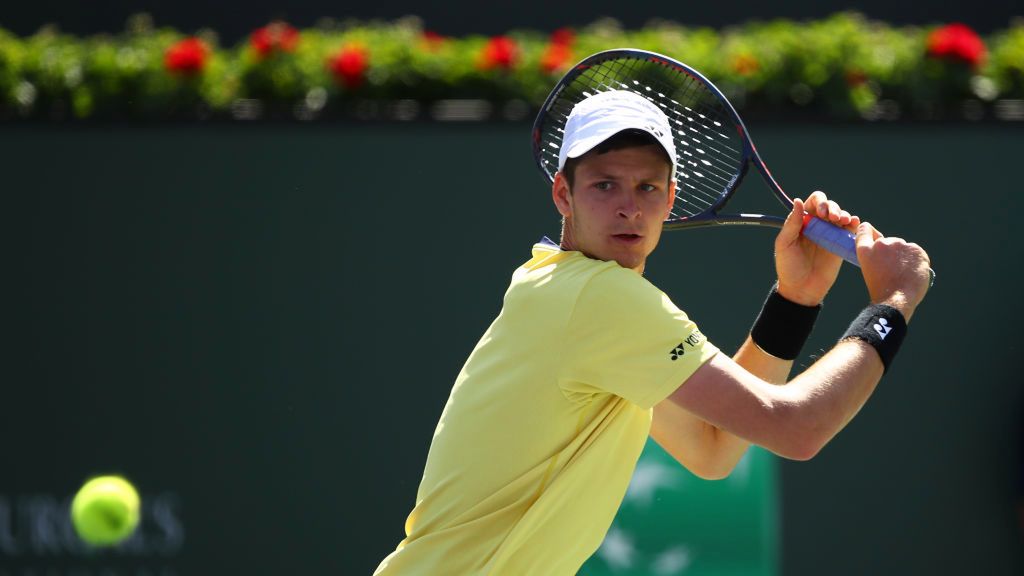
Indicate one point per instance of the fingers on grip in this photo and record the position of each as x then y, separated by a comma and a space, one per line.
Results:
832, 238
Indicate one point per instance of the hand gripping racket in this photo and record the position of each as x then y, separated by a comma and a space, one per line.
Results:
713, 148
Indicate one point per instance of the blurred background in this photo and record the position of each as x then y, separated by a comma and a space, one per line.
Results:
236, 19
248, 247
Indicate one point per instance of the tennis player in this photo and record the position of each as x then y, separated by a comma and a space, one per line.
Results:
538, 441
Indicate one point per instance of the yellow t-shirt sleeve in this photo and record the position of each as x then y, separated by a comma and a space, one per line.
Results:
625, 337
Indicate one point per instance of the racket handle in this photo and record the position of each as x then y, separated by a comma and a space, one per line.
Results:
836, 240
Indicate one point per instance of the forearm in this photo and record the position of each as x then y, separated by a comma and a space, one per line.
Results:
728, 447
823, 399
794, 421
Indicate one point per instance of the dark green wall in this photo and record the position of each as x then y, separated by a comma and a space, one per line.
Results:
260, 325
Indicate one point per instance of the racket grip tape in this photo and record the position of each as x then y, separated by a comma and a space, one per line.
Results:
836, 240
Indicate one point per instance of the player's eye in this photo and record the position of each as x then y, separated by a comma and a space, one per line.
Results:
648, 188
604, 185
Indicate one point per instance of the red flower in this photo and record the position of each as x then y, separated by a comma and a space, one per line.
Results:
274, 37
432, 41
563, 36
186, 56
556, 57
855, 77
745, 64
349, 66
500, 52
957, 42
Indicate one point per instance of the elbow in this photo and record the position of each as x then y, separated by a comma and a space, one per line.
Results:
801, 452
704, 468
798, 438
709, 465
719, 464
712, 473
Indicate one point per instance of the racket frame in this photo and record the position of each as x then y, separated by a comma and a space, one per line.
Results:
748, 155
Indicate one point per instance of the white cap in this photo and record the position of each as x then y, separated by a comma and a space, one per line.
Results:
603, 115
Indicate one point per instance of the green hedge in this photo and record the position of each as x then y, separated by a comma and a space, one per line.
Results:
844, 66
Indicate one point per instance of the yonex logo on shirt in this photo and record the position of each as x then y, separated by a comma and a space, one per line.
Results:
882, 328
676, 352
690, 341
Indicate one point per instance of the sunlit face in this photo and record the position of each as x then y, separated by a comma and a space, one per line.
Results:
617, 204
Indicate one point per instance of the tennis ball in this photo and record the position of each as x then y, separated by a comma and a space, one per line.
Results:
105, 511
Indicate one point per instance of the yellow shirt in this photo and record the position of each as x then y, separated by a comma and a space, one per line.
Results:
545, 423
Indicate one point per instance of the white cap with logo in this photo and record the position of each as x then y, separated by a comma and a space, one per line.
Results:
603, 115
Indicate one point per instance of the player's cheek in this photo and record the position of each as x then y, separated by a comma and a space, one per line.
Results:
653, 238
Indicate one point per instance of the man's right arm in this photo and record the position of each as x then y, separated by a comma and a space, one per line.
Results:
796, 420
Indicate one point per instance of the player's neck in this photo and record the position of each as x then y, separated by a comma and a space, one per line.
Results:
567, 243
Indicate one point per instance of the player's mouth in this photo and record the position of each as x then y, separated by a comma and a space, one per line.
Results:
627, 238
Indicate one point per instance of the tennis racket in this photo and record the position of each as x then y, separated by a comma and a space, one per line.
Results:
713, 147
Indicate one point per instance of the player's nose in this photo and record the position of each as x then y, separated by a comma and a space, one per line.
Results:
629, 206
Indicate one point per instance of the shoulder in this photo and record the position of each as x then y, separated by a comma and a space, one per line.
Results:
553, 268
624, 296
616, 284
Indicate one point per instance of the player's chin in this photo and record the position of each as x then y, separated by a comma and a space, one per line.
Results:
632, 258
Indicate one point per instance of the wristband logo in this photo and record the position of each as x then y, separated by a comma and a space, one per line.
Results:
883, 328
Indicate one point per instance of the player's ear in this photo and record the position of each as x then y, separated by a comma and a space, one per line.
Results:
671, 196
560, 194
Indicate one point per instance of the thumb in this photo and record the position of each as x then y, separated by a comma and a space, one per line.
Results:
793, 225
866, 235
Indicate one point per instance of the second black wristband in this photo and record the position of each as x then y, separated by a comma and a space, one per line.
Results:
782, 327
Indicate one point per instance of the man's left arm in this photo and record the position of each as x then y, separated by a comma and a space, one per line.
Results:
806, 273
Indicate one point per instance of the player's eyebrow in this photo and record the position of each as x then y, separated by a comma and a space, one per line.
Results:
654, 178
643, 177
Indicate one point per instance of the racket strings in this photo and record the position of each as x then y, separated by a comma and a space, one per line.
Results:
708, 146
695, 131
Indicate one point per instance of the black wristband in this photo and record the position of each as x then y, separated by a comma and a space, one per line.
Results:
782, 327
881, 326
